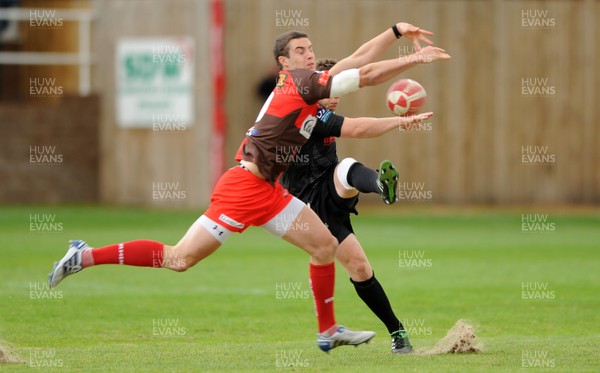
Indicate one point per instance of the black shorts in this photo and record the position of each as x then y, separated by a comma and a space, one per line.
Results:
333, 210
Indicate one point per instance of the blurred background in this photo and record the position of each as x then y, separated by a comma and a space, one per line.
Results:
144, 102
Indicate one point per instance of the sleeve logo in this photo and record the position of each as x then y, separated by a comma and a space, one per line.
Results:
324, 78
323, 114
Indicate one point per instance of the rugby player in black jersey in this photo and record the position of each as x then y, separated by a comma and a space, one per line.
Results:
331, 189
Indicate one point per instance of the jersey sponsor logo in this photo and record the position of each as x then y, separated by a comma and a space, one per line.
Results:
226, 219
324, 77
323, 114
328, 140
281, 80
307, 126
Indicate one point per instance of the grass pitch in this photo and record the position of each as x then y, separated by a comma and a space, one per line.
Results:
532, 295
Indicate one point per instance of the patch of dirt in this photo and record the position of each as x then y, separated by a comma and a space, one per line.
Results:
460, 339
7, 356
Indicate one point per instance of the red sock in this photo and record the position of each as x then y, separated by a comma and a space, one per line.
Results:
142, 253
322, 282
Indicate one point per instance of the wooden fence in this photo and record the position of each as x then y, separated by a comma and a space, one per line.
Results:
516, 109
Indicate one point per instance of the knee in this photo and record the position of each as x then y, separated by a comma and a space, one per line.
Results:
342, 170
325, 249
173, 260
342, 185
331, 245
362, 271
177, 265
358, 267
179, 268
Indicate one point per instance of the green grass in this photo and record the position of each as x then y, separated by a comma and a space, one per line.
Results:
228, 317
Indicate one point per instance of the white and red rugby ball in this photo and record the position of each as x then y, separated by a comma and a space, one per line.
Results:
405, 97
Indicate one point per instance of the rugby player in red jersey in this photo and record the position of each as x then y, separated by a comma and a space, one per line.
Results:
249, 194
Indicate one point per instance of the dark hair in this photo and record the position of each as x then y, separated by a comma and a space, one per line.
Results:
282, 48
325, 64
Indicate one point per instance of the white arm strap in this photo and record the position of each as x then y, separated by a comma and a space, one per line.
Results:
345, 82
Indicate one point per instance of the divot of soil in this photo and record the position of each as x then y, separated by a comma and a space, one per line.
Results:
460, 339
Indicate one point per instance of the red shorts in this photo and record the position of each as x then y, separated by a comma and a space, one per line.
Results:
241, 199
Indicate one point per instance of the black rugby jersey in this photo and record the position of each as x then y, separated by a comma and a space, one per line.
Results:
314, 159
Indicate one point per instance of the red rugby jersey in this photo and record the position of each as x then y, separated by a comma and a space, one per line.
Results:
285, 121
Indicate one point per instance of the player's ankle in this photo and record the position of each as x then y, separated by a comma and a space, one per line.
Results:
331, 330
87, 259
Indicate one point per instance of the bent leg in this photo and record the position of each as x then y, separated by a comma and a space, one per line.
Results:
351, 177
200, 241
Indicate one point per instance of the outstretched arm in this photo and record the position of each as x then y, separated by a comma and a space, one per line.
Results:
371, 50
382, 71
379, 72
375, 127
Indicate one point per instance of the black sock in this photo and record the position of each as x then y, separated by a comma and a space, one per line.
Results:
363, 178
373, 295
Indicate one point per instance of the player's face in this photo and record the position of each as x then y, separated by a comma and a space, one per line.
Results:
301, 55
330, 103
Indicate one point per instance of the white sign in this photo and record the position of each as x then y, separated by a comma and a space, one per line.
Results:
155, 80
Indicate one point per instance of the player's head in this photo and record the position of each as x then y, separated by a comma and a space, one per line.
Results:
293, 50
328, 103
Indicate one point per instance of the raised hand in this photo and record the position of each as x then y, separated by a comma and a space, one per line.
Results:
430, 54
414, 33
